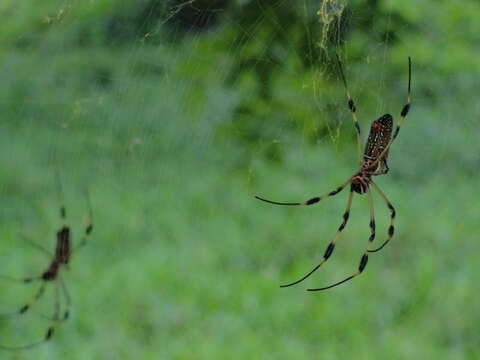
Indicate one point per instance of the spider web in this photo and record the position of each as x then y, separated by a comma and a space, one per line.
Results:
269, 91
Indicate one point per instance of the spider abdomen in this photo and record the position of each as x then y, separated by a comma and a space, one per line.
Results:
378, 138
62, 251
62, 254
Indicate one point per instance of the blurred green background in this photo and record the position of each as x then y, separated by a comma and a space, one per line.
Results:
174, 114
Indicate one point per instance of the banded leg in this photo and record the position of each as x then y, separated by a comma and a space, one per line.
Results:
406, 107
28, 305
364, 259
37, 297
25, 280
89, 227
310, 201
57, 305
61, 202
54, 323
391, 228
59, 284
86, 235
68, 300
24, 308
331, 246
353, 111
403, 115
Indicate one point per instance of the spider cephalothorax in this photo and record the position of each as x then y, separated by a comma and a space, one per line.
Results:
360, 182
373, 162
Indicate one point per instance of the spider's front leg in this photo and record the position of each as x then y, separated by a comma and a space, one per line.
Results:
353, 110
384, 169
403, 116
89, 228
406, 107
311, 201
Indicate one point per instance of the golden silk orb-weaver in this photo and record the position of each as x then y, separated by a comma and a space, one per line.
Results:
372, 162
59, 260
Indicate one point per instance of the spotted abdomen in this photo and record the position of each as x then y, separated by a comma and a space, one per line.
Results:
378, 139
62, 252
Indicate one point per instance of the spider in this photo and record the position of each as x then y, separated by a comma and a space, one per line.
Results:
60, 259
372, 163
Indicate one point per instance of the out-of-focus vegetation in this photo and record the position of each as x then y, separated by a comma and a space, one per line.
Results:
175, 113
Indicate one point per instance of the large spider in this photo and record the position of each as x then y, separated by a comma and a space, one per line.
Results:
59, 259
373, 163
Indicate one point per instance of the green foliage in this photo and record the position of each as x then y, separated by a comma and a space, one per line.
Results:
174, 120
80, 24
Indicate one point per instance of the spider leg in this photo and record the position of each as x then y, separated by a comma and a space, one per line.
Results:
403, 115
59, 285
391, 228
68, 300
56, 304
384, 169
86, 235
364, 259
28, 305
89, 227
387, 169
406, 107
49, 333
310, 201
35, 245
380, 172
25, 280
353, 111
61, 200
331, 246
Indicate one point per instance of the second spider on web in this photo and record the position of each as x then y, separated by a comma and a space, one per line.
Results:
59, 259
372, 162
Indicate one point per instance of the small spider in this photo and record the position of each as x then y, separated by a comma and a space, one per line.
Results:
60, 259
372, 163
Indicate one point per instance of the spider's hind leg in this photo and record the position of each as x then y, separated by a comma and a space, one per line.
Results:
384, 169
331, 246
364, 258
391, 228
54, 322
23, 309
68, 300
